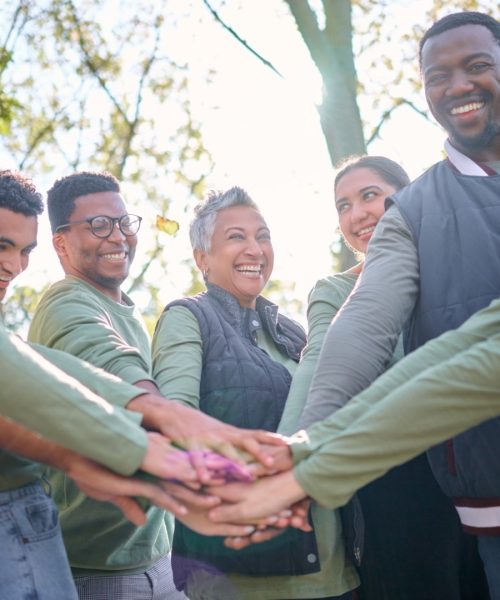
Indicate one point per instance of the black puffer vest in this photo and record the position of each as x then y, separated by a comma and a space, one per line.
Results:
455, 223
241, 385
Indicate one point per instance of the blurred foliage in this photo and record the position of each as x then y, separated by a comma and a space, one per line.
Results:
91, 84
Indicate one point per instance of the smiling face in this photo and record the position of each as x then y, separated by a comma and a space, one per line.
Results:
241, 255
461, 72
104, 263
17, 240
359, 199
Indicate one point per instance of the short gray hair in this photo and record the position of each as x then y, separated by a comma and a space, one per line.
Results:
202, 226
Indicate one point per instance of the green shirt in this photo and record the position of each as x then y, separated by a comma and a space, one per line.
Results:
75, 317
177, 364
445, 387
65, 407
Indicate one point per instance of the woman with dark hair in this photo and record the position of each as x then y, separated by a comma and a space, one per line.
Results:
401, 528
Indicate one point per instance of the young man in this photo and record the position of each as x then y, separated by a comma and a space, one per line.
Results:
87, 315
433, 261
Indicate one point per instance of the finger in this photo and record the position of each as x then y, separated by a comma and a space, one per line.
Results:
231, 530
300, 523
190, 497
230, 513
130, 509
198, 462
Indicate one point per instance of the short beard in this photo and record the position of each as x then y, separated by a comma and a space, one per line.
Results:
479, 142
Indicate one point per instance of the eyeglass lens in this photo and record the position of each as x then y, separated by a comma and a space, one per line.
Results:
102, 226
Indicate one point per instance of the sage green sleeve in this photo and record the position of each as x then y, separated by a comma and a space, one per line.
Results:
325, 299
177, 356
449, 385
41, 397
77, 322
109, 387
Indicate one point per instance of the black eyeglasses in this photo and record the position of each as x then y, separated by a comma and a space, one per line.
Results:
102, 226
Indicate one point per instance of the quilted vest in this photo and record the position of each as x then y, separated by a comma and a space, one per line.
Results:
241, 385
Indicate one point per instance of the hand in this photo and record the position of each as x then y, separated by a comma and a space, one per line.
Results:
167, 462
101, 484
282, 461
252, 502
259, 536
193, 430
197, 519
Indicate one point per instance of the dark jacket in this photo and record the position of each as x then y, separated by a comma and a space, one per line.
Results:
455, 223
241, 385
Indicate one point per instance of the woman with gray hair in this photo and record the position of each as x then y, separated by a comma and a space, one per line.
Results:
231, 353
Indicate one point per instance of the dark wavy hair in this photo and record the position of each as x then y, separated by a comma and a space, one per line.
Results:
391, 172
62, 195
18, 194
459, 20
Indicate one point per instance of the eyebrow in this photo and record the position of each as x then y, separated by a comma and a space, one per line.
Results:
9, 242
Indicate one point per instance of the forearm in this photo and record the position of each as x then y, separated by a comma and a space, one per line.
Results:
437, 404
102, 383
62, 409
18, 439
362, 337
481, 327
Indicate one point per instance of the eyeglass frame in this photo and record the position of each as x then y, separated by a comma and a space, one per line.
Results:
114, 221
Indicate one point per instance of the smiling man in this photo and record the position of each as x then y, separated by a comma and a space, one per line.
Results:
433, 261
88, 315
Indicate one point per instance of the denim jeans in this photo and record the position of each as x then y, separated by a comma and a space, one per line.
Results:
32, 556
489, 550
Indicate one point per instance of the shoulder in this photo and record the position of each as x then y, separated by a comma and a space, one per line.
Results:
176, 321
332, 289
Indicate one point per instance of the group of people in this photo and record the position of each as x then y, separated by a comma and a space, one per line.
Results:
401, 355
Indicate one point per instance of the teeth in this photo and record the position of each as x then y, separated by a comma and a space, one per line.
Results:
460, 110
6, 279
366, 230
115, 256
249, 268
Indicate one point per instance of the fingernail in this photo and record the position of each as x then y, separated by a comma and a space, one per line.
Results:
249, 530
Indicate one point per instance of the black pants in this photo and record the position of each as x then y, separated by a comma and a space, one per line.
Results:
415, 548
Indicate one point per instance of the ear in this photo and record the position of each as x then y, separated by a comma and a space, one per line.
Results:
201, 260
59, 243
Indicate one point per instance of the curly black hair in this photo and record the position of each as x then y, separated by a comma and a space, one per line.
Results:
459, 20
18, 194
62, 195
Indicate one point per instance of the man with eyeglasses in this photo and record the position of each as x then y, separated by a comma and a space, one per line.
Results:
88, 315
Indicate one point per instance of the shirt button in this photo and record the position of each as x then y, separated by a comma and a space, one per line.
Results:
312, 558
255, 323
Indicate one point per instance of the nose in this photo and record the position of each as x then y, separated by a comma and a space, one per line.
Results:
358, 212
253, 247
116, 233
459, 83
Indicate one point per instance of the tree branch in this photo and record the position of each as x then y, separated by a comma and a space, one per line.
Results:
388, 113
240, 39
307, 24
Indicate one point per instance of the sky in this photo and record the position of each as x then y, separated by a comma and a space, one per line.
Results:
264, 135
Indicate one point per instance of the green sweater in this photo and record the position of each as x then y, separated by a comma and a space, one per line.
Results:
75, 317
65, 391
445, 387
177, 364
